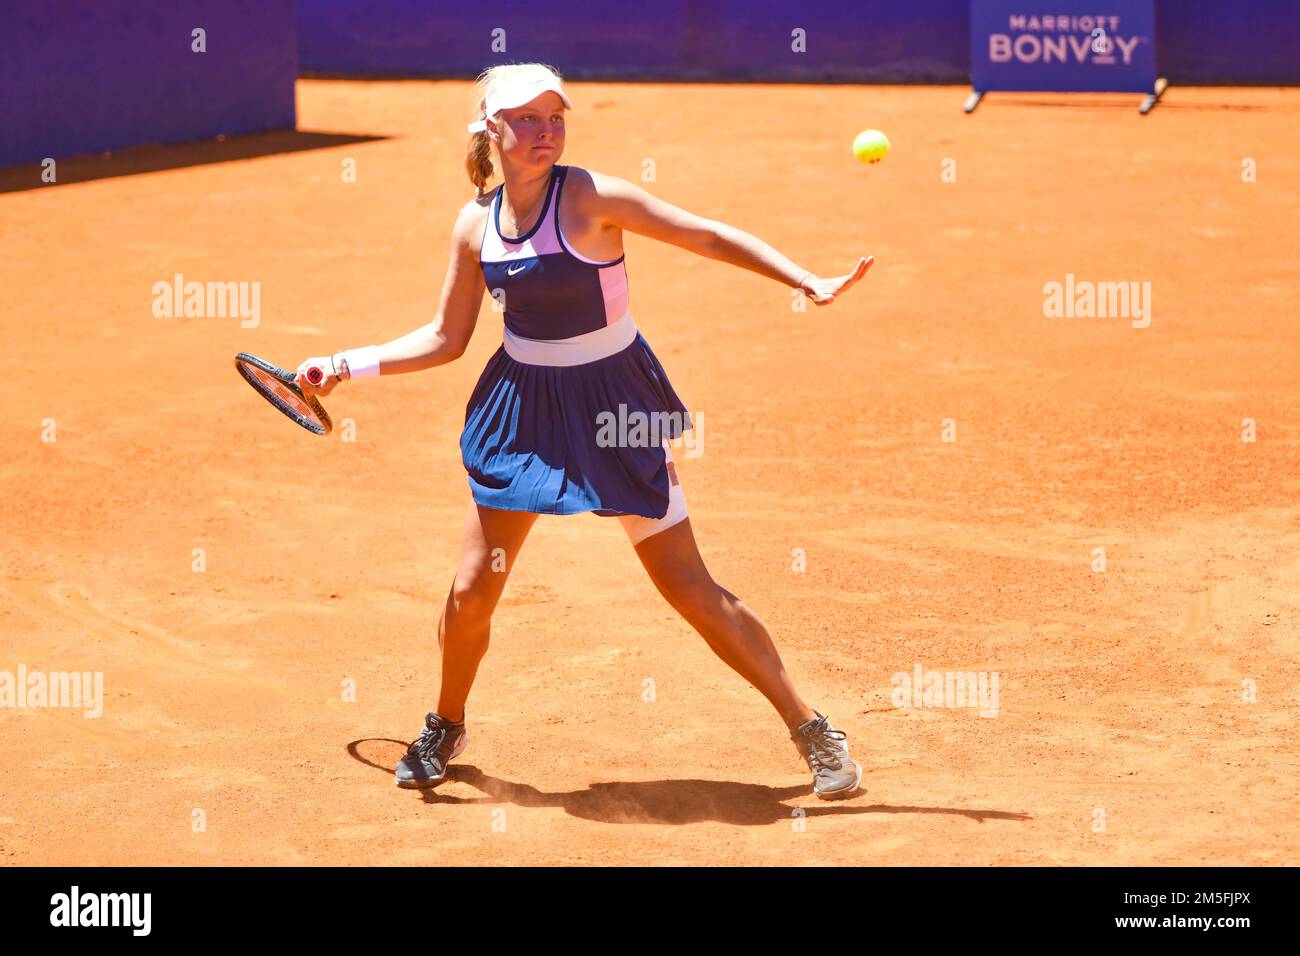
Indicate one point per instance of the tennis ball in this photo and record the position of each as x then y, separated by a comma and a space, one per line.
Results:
870, 146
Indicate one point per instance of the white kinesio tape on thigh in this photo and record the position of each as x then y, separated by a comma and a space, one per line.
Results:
362, 363
639, 527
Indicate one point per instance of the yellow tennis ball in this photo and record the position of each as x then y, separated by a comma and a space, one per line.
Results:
870, 145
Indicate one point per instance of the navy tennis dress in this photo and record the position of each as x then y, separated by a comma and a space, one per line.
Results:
571, 366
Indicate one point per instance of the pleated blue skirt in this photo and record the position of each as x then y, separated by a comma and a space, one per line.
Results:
537, 437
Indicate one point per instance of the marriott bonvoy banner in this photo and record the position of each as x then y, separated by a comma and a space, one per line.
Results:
1103, 45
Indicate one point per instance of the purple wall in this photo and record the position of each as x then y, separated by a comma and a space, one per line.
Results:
1207, 42
1197, 41
849, 40
87, 76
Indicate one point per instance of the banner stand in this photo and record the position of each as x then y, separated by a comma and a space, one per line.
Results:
1148, 102
1152, 98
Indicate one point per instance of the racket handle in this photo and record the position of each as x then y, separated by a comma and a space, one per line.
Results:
315, 375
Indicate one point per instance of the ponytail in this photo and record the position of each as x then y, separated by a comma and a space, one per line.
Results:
478, 160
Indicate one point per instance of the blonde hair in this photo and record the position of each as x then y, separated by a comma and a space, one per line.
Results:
478, 155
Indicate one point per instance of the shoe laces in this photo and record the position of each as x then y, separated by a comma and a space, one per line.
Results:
823, 746
431, 739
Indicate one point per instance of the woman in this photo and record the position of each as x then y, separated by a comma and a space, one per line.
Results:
548, 245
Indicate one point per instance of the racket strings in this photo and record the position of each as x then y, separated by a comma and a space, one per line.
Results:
272, 387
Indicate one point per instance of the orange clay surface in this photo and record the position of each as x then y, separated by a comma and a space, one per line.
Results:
1121, 692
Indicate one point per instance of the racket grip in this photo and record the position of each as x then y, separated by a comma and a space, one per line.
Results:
315, 375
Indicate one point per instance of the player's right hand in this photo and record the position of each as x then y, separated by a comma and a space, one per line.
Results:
326, 364
823, 291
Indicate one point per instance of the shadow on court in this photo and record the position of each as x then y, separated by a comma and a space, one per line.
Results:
671, 802
155, 158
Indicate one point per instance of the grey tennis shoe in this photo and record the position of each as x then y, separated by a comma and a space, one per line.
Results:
835, 773
425, 763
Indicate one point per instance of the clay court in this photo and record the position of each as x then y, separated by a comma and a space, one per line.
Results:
1124, 690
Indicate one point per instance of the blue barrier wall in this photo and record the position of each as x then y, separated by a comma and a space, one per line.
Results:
849, 40
88, 76
85, 76
862, 41
1228, 41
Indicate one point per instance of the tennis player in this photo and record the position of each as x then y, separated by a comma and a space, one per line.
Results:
548, 246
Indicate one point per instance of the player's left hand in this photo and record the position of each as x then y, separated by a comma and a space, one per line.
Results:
823, 291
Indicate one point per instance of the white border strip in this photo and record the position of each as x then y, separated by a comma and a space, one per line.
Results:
578, 350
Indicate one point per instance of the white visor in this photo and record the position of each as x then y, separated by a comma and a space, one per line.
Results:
520, 90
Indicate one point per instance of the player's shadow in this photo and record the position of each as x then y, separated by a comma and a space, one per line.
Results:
154, 158
672, 802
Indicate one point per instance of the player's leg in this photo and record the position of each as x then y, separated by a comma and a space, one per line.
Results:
727, 624
491, 543
667, 549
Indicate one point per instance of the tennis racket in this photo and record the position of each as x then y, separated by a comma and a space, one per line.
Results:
276, 385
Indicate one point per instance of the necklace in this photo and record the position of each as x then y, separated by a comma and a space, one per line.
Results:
537, 205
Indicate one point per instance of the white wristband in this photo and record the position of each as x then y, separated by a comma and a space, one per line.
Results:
362, 363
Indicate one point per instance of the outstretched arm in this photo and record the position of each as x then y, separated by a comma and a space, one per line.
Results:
630, 207
440, 341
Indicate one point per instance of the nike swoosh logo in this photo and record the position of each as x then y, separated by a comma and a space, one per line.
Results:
511, 272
